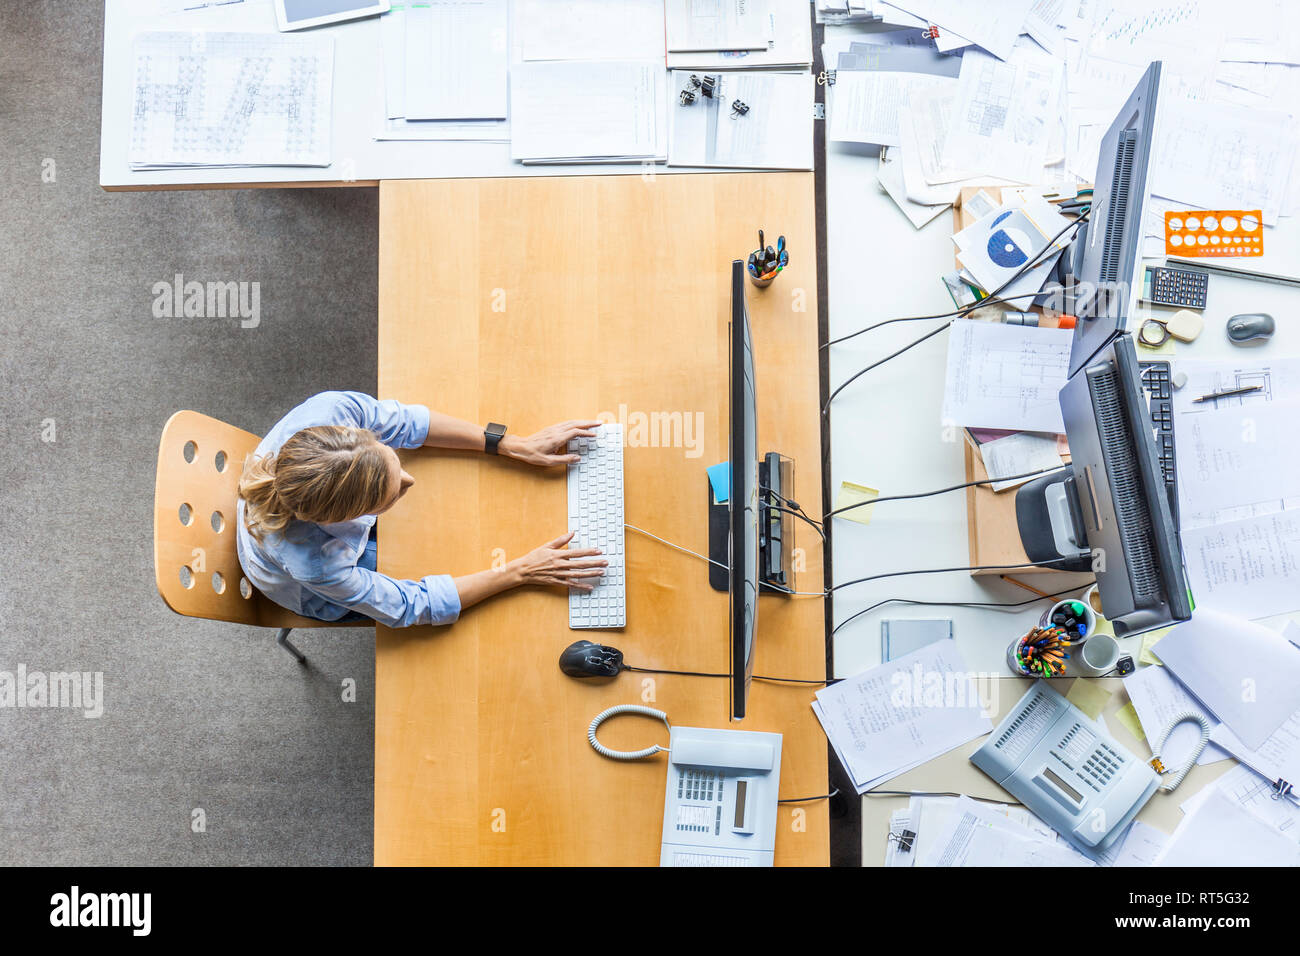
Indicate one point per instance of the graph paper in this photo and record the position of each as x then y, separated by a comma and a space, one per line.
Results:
231, 99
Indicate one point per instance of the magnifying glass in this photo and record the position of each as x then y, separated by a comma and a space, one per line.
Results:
1153, 333
1184, 325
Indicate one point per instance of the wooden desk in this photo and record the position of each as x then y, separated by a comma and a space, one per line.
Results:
531, 301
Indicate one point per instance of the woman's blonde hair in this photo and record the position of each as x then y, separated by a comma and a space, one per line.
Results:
322, 474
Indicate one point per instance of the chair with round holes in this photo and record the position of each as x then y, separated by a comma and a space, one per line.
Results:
196, 563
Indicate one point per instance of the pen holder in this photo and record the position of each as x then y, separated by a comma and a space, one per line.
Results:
1085, 619
1022, 663
761, 283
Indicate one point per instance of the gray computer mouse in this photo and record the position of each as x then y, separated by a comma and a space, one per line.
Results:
1250, 326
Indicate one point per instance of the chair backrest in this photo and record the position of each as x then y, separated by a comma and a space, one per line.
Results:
196, 563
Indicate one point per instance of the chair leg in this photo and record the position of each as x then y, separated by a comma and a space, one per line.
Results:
283, 640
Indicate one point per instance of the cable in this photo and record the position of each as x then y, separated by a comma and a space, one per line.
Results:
937, 793
990, 299
977, 567
816, 526
604, 751
827, 407
777, 680
1176, 776
988, 604
632, 527
824, 796
940, 491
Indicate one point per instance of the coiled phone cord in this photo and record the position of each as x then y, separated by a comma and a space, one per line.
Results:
625, 754
1158, 745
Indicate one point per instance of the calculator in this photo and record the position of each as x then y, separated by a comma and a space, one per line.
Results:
1179, 288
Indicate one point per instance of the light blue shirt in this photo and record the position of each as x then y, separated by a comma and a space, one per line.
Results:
311, 569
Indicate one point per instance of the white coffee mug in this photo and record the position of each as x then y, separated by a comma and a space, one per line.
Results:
1097, 655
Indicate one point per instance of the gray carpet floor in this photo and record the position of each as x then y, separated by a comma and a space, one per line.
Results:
197, 714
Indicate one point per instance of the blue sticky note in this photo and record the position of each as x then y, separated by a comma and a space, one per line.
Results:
720, 479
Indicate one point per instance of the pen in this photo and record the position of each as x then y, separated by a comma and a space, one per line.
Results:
1231, 391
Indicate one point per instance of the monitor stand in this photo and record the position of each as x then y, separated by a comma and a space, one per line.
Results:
775, 529
1050, 523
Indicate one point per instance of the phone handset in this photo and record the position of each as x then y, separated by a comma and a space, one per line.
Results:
625, 754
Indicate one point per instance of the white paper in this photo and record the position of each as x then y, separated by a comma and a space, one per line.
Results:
716, 25
575, 109
866, 104
1277, 758
891, 176
590, 29
231, 99
1248, 675
1139, 846
1005, 113
456, 60
978, 836
1255, 793
1221, 832
993, 24
1005, 376
776, 133
902, 713
1250, 567
1019, 454
791, 44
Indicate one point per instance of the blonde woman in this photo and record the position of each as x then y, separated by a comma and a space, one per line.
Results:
310, 493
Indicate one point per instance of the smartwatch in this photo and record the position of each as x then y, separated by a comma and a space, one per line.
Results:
492, 436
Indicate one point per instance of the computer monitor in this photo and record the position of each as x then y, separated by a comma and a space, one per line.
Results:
743, 498
1105, 254
1110, 513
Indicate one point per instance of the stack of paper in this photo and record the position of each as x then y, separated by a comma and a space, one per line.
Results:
590, 29
713, 25
789, 33
1221, 831
775, 133
897, 716
231, 99
874, 83
589, 111
1005, 376
445, 68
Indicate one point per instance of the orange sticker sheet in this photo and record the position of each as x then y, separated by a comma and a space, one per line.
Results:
1205, 233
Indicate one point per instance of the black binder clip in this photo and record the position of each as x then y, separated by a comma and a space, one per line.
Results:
905, 840
687, 97
1281, 788
738, 109
708, 85
826, 78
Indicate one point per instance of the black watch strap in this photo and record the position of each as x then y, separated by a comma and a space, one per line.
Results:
492, 436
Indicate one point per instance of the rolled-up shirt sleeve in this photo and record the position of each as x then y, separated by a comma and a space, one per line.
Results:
390, 601
397, 425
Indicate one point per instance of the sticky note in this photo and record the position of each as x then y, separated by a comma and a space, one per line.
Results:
852, 494
1149, 640
720, 479
1089, 696
1128, 716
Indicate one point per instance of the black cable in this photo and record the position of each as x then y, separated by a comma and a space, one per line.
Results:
990, 299
779, 680
976, 567
937, 793
940, 491
824, 796
816, 525
893, 355
867, 610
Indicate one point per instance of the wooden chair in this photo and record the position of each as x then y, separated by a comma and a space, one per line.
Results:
196, 563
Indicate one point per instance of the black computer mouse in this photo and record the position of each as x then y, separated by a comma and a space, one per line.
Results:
1250, 326
588, 659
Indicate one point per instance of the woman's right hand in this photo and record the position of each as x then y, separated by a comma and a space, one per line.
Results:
556, 564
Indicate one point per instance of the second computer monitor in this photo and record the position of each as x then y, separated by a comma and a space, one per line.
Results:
743, 556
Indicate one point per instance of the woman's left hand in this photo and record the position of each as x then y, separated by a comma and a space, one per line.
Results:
550, 445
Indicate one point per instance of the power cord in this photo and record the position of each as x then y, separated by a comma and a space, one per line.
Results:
988, 604
976, 567
825, 796
776, 680
940, 491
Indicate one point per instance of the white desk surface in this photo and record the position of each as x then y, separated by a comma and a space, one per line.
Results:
358, 107
886, 434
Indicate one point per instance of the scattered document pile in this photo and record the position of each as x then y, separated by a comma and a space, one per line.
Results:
1040, 81
231, 99
897, 716
1005, 376
1239, 494
788, 36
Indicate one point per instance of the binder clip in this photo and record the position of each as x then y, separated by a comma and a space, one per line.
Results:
905, 840
1281, 788
826, 78
738, 109
709, 85
687, 97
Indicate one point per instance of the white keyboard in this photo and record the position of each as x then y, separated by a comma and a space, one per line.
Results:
709, 859
596, 514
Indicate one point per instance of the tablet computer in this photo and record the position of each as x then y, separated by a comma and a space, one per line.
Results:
301, 14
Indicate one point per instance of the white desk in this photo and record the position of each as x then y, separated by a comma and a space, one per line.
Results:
358, 105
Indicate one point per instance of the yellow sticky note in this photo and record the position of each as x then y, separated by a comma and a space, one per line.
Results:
1089, 696
851, 494
1128, 716
1149, 640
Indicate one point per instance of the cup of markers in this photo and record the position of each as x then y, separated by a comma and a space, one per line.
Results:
1040, 653
1075, 618
766, 262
